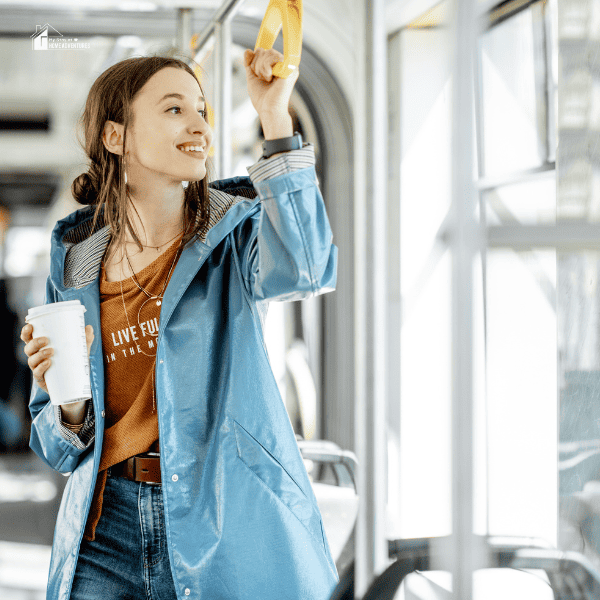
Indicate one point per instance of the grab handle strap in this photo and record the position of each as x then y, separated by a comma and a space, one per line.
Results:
286, 13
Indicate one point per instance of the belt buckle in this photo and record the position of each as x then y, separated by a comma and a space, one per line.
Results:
136, 466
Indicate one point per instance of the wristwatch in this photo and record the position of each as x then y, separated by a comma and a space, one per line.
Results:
271, 147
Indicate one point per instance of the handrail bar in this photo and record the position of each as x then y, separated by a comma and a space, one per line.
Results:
329, 452
224, 12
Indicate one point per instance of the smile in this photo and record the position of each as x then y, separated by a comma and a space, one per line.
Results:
194, 153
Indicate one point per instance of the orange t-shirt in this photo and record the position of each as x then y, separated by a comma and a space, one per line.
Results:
129, 322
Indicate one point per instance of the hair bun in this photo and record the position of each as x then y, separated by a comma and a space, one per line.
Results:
85, 188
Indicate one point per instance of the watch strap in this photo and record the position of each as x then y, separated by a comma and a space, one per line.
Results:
286, 144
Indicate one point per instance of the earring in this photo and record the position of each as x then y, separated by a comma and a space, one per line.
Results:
184, 184
125, 176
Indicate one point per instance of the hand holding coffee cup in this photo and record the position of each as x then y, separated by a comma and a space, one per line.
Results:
66, 378
39, 355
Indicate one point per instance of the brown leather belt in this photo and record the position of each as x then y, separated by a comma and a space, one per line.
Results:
143, 467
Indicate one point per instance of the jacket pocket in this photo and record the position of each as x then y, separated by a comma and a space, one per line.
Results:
268, 469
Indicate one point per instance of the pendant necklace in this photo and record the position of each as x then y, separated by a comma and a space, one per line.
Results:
158, 303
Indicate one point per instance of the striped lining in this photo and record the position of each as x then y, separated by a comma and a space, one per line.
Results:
220, 203
268, 168
83, 258
85, 436
85, 249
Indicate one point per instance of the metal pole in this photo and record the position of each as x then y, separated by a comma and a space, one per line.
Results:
218, 86
371, 416
464, 553
227, 10
220, 27
184, 30
223, 65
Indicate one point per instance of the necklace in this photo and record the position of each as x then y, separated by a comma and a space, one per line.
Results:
150, 296
158, 303
157, 247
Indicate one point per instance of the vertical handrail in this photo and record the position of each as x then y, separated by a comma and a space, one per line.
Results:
184, 31
223, 101
464, 550
371, 300
217, 71
219, 28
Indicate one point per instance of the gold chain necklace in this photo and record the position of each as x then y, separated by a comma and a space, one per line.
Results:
150, 296
158, 303
157, 247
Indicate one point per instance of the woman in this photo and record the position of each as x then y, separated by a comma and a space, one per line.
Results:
185, 476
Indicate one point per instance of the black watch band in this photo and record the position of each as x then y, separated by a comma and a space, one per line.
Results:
271, 147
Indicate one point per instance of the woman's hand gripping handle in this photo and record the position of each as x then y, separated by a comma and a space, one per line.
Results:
39, 361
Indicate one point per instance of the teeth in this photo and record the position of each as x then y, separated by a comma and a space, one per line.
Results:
192, 148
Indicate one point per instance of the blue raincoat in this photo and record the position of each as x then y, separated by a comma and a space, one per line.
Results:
241, 517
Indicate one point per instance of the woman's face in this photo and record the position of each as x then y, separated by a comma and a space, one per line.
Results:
162, 125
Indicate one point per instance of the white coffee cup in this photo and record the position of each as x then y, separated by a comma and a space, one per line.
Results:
63, 323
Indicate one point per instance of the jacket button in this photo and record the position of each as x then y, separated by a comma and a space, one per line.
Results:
187, 591
175, 477
102, 413
161, 361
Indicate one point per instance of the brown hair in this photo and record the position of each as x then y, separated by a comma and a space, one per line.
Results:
110, 99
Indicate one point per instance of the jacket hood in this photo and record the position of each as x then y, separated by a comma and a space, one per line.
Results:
78, 250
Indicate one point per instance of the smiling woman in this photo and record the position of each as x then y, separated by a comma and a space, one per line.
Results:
149, 172
177, 280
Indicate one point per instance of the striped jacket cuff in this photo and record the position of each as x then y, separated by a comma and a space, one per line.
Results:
293, 160
80, 439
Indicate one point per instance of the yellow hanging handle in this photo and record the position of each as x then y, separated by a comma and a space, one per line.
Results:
289, 14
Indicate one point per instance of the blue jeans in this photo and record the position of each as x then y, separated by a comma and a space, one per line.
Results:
128, 560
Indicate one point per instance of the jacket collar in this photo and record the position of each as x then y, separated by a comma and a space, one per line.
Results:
77, 250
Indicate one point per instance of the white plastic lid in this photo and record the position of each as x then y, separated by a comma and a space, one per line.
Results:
53, 307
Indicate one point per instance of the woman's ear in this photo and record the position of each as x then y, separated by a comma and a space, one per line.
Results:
112, 137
